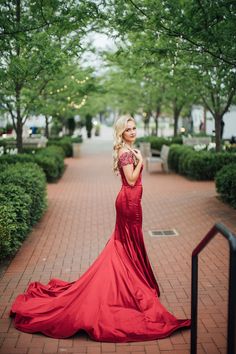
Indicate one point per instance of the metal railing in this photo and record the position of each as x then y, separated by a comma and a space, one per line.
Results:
231, 327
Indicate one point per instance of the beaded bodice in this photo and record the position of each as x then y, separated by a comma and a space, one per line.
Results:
125, 159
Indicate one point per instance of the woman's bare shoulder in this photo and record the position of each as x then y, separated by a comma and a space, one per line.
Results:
122, 151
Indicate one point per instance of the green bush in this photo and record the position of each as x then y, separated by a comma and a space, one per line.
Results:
157, 142
226, 183
201, 166
65, 143
198, 165
8, 227
175, 152
176, 140
51, 159
77, 139
7, 142
31, 150
12, 159
5, 160
31, 178
184, 159
20, 200
204, 165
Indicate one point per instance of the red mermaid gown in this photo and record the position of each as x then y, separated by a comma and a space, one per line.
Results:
116, 299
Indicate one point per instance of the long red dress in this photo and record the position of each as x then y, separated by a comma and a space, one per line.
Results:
116, 299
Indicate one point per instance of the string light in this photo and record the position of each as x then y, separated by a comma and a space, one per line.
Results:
78, 106
65, 86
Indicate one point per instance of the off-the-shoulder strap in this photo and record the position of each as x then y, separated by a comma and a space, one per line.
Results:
126, 158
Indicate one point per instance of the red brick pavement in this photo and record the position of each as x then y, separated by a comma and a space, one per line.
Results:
75, 228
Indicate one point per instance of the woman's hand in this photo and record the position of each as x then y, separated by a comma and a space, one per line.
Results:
137, 154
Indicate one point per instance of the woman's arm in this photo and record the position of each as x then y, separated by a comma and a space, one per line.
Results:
131, 172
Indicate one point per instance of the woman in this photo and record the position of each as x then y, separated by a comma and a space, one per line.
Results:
116, 299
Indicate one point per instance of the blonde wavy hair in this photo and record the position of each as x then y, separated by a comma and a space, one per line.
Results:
119, 128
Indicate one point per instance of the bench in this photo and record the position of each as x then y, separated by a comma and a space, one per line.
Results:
30, 142
153, 161
191, 141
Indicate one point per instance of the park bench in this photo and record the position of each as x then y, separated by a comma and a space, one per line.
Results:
154, 162
30, 142
191, 141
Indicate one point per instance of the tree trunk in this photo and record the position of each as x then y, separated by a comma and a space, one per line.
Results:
46, 127
146, 123
218, 117
158, 111
204, 118
176, 112
101, 117
19, 123
19, 132
176, 118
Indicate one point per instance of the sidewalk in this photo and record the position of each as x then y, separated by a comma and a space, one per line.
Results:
79, 221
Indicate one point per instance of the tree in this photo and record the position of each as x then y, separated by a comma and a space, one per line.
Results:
36, 40
217, 91
64, 96
88, 124
200, 34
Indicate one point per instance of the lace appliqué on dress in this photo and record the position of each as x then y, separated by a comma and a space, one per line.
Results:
125, 159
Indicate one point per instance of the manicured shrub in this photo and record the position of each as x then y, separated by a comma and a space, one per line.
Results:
32, 179
55, 149
224, 158
8, 143
12, 159
184, 158
77, 139
20, 200
226, 183
65, 143
176, 140
201, 166
156, 142
204, 165
198, 165
31, 150
51, 159
8, 226
175, 152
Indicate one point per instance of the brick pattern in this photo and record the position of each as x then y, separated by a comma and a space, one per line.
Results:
75, 228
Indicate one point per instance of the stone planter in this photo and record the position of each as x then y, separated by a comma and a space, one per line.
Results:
145, 149
76, 150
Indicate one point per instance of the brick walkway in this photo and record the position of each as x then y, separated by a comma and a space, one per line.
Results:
75, 228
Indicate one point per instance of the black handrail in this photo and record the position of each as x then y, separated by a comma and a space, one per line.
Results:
231, 331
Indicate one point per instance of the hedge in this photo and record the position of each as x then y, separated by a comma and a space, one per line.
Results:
205, 165
198, 165
175, 152
15, 210
65, 143
23, 196
50, 159
157, 142
226, 183
12, 159
20, 200
8, 226
32, 179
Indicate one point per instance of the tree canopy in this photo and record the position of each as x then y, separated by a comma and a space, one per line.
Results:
169, 54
